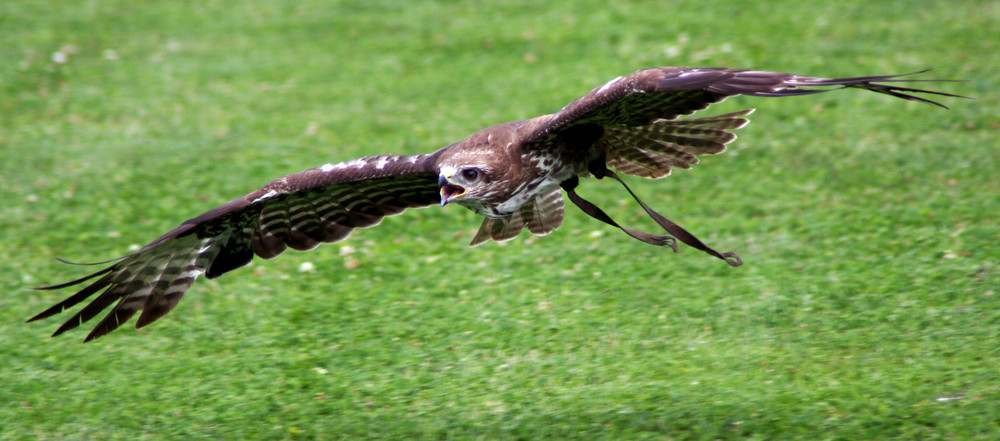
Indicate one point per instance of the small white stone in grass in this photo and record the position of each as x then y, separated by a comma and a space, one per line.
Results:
950, 397
307, 267
347, 250
321, 371
134, 247
59, 57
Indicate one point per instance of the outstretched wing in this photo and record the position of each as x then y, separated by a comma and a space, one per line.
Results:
636, 115
300, 211
667, 92
631, 124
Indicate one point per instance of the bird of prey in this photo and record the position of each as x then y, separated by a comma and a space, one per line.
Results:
512, 174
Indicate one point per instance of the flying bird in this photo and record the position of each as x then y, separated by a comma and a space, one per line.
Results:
513, 174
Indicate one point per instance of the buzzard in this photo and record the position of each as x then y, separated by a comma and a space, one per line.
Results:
513, 174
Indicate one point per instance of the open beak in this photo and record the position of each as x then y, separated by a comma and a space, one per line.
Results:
449, 190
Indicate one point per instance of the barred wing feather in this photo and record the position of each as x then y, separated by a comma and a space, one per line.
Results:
300, 211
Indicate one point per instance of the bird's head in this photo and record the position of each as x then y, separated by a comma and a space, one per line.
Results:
468, 184
477, 172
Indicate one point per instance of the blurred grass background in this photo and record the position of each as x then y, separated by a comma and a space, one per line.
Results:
867, 307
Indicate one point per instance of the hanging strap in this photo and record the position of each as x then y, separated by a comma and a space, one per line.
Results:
596, 213
675, 230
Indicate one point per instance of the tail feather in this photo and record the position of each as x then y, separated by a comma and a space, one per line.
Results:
545, 214
541, 216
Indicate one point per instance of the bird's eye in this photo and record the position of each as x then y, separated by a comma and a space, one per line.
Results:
470, 174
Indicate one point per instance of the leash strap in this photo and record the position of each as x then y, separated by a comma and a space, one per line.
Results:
675, 230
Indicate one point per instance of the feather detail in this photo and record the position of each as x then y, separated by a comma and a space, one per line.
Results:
652, 150
299, 211
542, 215
545, 214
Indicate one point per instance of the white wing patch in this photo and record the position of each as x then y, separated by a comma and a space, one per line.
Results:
355, 163
608, 85
270, 194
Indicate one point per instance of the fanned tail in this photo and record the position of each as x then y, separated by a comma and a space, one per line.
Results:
541, 216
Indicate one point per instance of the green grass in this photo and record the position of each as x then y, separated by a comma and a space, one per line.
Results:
868, 306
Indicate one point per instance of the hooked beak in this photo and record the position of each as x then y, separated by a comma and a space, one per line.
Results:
449, 190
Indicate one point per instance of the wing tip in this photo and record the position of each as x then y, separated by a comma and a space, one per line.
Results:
77, 281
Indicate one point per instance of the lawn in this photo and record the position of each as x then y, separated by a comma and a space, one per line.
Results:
868, 306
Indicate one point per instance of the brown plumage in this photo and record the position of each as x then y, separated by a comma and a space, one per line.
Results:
513, 174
